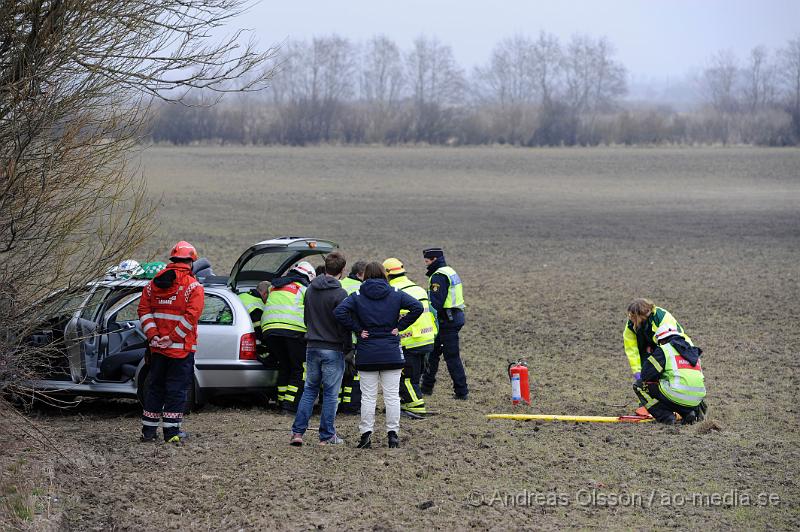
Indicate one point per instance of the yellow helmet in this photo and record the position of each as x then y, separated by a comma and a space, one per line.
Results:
393, 266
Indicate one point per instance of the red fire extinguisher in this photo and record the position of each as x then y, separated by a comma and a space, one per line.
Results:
520, 387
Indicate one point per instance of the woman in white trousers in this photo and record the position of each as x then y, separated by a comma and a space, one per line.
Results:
373, 313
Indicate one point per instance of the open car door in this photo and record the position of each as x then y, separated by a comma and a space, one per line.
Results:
271, 258
80, 334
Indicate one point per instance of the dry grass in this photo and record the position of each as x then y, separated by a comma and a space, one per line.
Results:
551, 245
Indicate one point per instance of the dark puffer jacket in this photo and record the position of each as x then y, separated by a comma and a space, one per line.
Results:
376, 307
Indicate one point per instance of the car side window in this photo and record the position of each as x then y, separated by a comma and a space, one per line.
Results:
129, 312
216, 311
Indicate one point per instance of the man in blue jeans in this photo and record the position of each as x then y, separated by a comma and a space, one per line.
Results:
327, 343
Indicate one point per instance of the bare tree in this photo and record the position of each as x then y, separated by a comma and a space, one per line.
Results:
382, 84
76, 80
789, 70
438, 83
719, 81
313, 80
593, 79
548, 60
507, 85
759, 80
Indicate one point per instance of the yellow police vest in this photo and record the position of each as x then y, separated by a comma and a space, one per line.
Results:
455, 292
284, 308
423, 331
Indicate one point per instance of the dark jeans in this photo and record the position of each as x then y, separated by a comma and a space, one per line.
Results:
661, 408
323, 366
167, 382
410, 393
290, 352
447, 345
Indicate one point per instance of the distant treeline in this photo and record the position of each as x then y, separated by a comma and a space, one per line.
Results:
532, 92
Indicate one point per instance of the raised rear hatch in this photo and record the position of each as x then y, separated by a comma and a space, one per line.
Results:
271, 258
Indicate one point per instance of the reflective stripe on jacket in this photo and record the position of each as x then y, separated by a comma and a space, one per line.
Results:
636, 343
172, 310
455, 290
284, 308
423, 331
680, 382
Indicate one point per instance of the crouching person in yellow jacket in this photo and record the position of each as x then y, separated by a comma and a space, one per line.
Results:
417, 341
639, 336
672, 379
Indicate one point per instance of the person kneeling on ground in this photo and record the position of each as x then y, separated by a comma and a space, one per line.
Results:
373, 313
672, 379
639, 336
327, 342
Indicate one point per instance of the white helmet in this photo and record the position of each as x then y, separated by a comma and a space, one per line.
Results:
126, 269
666, 330
304, 268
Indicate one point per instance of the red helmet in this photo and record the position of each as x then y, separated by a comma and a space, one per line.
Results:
183, 250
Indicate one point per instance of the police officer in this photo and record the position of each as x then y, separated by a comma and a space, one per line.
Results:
350, 394
672, 379
169, 309
639, 336
447, 299
283, 328
416, 341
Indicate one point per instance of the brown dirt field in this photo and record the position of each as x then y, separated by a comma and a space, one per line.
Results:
551, 245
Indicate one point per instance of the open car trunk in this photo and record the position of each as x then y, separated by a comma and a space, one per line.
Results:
272, 258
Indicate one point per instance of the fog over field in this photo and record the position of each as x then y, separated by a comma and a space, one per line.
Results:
661, 42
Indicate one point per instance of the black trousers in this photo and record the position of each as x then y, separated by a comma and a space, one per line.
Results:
168, 381
290, 353
661, 408
447, 345
410, 394
350, 394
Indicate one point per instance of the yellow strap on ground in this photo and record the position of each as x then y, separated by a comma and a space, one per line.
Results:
578, 419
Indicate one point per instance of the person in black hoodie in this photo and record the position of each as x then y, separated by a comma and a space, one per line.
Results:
373, 313
327, 342
672, 379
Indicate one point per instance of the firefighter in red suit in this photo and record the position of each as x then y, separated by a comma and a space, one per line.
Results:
169, 309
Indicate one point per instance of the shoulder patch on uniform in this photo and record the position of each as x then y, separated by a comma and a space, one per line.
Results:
434, 287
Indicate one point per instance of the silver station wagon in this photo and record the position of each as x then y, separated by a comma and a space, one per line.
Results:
104, 345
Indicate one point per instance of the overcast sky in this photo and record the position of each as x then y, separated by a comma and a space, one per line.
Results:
656, 39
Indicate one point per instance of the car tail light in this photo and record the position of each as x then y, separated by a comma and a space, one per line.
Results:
247, 347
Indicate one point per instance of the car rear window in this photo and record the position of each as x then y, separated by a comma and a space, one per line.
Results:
216, 311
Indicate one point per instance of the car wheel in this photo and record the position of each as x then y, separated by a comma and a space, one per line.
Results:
195, 399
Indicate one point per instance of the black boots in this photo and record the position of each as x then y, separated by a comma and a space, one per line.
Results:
366, 441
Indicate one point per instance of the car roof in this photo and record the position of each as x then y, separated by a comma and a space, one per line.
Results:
122, 283
285, 241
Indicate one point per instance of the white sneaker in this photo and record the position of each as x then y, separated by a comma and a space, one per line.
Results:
335, 440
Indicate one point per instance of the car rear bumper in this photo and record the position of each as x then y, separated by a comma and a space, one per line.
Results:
241, 374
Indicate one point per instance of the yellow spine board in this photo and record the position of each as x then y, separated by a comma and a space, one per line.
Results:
577, 419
